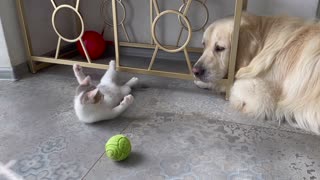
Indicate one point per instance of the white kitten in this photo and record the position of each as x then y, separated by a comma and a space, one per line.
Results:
103, 102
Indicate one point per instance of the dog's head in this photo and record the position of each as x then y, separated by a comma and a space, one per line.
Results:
213, 64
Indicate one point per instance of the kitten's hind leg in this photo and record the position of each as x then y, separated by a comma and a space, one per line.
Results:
132, 82
77, 69
127, 100
126, 88
111, 73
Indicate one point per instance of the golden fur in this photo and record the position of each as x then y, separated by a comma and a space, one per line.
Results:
278, 67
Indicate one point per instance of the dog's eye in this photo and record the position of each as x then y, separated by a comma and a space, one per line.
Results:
219, 48
204, 44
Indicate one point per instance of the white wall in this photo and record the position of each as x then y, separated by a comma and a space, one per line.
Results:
44, 39
11, 31
168, 29
38, 16
300, 8
4, 54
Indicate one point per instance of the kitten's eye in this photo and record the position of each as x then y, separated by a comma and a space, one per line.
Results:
203, 43
219, 48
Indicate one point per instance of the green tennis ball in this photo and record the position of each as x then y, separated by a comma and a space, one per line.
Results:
118, 147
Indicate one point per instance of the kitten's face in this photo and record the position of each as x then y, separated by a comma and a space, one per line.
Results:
89, 94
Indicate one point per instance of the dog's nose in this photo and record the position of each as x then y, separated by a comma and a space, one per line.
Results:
198, 71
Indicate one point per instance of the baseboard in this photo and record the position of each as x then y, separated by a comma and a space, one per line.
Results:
6, 73
13, 73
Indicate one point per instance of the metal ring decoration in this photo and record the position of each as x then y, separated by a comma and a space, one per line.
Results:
104, 17
204, 23
189, 29
78, 14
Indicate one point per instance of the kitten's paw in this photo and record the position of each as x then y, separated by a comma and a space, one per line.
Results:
112, 63
127, 100
133, 81
77, 68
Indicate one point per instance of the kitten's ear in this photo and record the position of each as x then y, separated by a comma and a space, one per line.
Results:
92, 97
86, 81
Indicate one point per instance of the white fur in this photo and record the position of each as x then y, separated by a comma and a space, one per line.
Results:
116, 99
254, 97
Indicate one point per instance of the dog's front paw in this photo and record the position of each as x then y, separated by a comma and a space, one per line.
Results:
237, 104
202, 85
127, 100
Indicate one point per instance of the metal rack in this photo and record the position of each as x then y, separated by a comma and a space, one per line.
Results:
154, 44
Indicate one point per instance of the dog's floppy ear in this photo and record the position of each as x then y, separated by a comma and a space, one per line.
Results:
249, 40
248, 19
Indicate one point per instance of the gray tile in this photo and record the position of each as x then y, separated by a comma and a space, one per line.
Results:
40, 130
177, 131
172, 146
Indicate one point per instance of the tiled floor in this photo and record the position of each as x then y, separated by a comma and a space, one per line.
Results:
177, 132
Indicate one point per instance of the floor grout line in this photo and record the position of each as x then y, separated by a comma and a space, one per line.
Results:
92, 166
84, 176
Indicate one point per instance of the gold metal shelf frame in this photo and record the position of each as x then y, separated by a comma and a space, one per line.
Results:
154, 43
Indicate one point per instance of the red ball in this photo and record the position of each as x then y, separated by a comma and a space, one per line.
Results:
94, 43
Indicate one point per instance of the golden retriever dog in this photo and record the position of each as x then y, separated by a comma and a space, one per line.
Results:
277, 69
